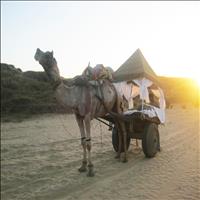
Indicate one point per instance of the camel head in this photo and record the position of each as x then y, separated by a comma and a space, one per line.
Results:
49, 63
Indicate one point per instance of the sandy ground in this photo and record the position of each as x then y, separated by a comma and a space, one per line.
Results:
40, 158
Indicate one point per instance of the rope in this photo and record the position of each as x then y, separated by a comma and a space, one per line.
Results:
101, 134
71, 134
62, 123
100, 125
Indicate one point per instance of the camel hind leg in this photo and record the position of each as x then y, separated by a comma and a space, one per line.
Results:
124, 136
119, 139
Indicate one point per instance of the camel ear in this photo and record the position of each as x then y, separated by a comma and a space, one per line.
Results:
39, 51
37, 54
52, 52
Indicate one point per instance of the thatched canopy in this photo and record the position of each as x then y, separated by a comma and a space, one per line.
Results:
135, 67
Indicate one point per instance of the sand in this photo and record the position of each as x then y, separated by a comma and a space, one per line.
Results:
40, 158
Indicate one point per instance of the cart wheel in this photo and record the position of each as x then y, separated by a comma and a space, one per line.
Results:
151, 140
115, 140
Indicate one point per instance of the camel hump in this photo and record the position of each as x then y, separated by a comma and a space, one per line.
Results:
99, 72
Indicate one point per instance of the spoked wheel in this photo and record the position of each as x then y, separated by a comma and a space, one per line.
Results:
151, 140
115, 140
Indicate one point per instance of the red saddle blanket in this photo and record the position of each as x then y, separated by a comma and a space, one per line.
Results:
99, 72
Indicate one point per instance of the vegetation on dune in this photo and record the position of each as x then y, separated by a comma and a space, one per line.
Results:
27, 93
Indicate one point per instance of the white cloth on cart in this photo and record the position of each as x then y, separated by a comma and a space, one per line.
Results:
144, 84
124, 89
144, 94
161, 111
129, 91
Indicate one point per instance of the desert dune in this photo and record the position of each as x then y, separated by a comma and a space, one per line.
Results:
40, 157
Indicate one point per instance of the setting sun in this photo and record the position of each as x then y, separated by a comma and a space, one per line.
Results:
197, 81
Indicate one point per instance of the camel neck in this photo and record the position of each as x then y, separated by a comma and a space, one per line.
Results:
56, 83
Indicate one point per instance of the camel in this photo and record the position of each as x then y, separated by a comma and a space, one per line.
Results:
85, 101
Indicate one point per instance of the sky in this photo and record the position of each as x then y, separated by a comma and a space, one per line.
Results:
103, 32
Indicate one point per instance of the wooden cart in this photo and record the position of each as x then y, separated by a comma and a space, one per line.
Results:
138, 126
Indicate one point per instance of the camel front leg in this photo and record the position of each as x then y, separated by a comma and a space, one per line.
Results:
87, 121
79, 120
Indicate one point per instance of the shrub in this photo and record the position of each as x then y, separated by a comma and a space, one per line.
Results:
25, 92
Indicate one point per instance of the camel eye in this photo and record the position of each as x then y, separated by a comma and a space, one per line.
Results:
47, 56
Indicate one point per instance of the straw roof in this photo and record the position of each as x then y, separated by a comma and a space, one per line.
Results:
135, 67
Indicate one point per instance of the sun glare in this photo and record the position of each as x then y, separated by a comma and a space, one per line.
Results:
197, 80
